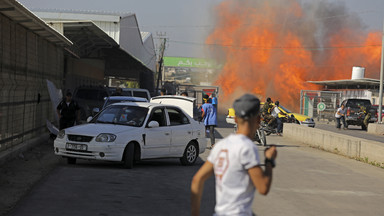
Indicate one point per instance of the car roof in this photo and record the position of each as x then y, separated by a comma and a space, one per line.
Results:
179, 97
145, 104
122, 98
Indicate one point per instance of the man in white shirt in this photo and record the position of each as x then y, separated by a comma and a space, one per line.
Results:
340, 116
275, 113
236, 165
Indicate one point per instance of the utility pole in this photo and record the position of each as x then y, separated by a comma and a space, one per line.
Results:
163, 40
381, 80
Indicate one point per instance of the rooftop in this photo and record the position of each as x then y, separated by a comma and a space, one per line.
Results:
365, 83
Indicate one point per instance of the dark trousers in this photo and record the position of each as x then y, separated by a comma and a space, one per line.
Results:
66, 123
279, 125
342, 118
211, 129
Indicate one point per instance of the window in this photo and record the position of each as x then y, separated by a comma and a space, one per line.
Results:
123, 115
140, 94
176, 117
126, 93
158, 115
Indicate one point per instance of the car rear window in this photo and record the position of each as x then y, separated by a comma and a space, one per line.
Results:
126, 93
140, 94
358, 103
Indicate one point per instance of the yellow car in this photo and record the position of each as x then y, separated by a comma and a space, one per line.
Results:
301, 119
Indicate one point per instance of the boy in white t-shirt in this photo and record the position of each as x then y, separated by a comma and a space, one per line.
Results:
236, 165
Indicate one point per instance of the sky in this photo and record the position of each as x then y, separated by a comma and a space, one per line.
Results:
187, 23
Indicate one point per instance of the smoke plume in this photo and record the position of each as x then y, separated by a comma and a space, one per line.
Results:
273, 47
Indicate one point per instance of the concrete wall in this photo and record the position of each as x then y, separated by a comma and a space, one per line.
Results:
367, 150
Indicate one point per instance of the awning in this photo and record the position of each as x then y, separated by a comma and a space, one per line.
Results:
21, 15
87, 37
366, 83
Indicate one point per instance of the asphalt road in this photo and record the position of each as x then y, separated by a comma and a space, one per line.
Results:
306, 182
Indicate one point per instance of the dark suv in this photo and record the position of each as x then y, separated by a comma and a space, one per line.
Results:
354, 115
88, 98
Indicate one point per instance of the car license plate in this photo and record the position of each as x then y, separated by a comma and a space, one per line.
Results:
79, 147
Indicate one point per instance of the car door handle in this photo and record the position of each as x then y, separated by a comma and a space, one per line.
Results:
167, 134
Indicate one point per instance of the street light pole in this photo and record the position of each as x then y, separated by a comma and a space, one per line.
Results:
381, 80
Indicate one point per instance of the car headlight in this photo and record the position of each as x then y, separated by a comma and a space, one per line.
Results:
61, 134
104, 137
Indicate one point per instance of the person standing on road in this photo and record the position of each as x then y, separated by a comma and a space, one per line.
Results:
214, 100
209, 115
367, 115
340, 116
236, 165
68, 112
275, 113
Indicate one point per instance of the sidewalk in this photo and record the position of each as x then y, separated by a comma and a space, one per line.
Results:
19, 174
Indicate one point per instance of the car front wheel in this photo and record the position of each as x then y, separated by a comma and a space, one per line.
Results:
128, 156
190, 154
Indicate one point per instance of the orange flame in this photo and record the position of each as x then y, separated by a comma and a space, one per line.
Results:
268, 49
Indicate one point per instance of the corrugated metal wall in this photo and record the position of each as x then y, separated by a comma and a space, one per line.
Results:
26, 61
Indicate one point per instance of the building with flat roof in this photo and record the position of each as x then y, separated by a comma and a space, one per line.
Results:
108, 44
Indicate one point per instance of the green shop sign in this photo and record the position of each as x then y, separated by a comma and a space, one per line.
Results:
190, 62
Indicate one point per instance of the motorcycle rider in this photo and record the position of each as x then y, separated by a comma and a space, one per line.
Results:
267, 111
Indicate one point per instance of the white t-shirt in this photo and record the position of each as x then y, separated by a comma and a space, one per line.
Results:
339, 110
275, 112
231, 158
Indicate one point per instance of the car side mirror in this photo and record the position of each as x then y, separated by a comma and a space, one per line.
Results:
95, 111
153, 124
89, 119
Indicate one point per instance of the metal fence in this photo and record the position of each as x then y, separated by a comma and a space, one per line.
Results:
320, 105
26, 61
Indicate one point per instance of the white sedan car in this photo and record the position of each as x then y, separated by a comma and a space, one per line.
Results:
131, 132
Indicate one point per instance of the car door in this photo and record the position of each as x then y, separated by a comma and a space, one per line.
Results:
157, 140
181, 129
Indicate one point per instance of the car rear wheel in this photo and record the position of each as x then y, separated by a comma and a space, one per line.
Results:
128, 156
190, 154
71, 160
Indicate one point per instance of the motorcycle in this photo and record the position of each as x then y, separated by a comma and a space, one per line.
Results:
259, 137
273, 128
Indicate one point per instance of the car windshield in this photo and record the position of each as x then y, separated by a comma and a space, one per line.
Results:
285, 109
122, 115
